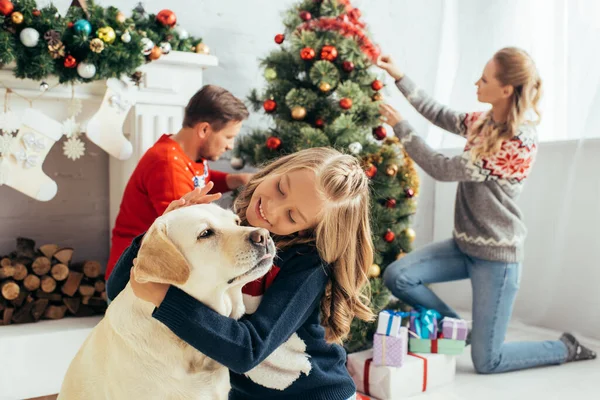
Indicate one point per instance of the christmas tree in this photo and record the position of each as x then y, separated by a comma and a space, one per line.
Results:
322, 91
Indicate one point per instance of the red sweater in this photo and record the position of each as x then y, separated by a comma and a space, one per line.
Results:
164, 173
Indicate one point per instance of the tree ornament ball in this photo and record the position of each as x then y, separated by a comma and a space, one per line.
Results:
96, 45
324, 87
120, 17
391, 170
155, 53
273, 143
279, 38
319, 123
270, 74
86, 70
36, 13
346, 103
29, 37
181, 32
390, 203
377, 85
377, 97
237, 163
329, 53
307, 53
107, 34
44, 86
355, 148
70, 62
16, 18
410, 234
82, 27
305, 15
379, 133
371, 171
6, 7
298, 113
202, 48
126, 37
147, 46
269, 105
348, 66
389, 236
410, 193
166, 18
374, 271
165, 48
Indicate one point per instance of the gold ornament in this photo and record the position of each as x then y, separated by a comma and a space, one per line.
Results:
325, 87
391, 170
374, 271
96, 45
17, 18
298, 113
107, 34
377, 97
201, 48
56, 50
120, 17
410, 234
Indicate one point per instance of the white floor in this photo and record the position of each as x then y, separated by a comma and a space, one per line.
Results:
572, 381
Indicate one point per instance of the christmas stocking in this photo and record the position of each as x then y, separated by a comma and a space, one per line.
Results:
105, 128
22, 169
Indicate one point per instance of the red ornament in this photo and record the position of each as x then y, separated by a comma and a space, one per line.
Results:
36, 13
307, 54
305, 15
346, 103
166, 18
319, 123
371, 170
377, 85
348, 66
329, 53
273, 143
389, 236
379, 133
70, 62
409, 192
269, 105
279, 38
390, 203
70, 24
6, 7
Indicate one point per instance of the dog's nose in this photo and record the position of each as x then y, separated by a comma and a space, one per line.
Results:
259, 237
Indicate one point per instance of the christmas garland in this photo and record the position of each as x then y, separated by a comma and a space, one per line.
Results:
86, 44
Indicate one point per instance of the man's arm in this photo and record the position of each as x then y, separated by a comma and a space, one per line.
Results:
166, 181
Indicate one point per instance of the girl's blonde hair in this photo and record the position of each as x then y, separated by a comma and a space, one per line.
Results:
517, 69
342, 236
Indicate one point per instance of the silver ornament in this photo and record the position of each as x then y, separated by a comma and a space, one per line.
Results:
86, 70
147, 46
355, 148
237, 163
126, 37
44, 86
29, 37
165, 47
182, 33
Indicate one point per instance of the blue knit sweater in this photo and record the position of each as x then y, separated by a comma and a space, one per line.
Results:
290, 305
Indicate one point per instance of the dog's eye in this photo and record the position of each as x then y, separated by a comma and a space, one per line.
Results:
206, 234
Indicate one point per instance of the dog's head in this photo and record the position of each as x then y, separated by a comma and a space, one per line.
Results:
203, 250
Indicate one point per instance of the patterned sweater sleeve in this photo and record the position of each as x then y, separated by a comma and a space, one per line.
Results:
436, 113
512, 163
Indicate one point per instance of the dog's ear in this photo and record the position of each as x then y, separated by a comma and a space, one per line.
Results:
159, 260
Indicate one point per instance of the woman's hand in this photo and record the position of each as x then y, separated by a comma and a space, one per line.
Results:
387, 64
390, 115
150, 291
196, 196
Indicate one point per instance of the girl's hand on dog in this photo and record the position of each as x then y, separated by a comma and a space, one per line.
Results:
151, 292
196, 196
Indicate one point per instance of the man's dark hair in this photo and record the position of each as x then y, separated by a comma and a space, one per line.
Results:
214, 105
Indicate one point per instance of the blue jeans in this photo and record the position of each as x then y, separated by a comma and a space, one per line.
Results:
495, 285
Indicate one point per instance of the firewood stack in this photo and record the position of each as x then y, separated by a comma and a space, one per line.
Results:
45, 284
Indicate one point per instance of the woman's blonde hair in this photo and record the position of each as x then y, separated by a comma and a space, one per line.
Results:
517, 69
342, 236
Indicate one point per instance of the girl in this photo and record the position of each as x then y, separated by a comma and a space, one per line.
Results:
316, 204
489, 233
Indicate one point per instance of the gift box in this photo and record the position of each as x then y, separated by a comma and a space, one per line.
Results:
389, 322
424, 323
450, 347
436, 346
454, 328
420, 373
420, 345
390, 350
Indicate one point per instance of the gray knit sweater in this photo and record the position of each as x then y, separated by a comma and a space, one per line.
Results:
487, 221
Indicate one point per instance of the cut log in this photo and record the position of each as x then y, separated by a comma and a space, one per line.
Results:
20, 272
48, 284
49, 250
97, 303
103, 296
41, 266
84, 311
25, 247
100, 286
23, 314
55, 312
60, 272
85, 300
86, 290
64, 255
72, 304
18, 302
38, 309
7, 317
31, 282
5, 262
92, 269
10, 290
7, 272
56, 298
72, 284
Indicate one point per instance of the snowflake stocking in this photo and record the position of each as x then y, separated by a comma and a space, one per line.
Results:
21, 168
105, 128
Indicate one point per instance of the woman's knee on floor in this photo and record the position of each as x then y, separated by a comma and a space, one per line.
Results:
484, 360
396, 277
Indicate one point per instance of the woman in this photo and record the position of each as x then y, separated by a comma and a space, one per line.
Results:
489, 233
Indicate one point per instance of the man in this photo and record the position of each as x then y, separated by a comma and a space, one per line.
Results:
177, 164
